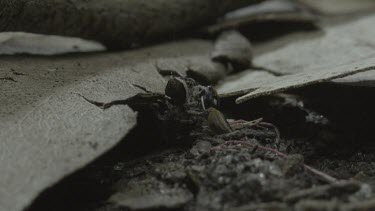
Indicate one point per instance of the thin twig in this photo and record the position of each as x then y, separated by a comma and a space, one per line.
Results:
313, 170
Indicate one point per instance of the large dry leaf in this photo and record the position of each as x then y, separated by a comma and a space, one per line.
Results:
366, 79
20, 42
314, 57
297, 80
331, 46
334, 45
47, 131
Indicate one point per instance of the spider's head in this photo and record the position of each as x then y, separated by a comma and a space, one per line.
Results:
209, 97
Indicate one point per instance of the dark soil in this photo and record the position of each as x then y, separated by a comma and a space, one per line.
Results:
326, 127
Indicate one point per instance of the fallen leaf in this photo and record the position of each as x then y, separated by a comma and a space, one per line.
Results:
28, 43
366, 79
334, 44
47, 130
297, 80
336, 7
314, 57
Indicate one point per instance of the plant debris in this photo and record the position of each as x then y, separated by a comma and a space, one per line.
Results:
146, 129
249, 167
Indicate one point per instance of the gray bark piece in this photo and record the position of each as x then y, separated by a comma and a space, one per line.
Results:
20, 42
47, 131
336, 7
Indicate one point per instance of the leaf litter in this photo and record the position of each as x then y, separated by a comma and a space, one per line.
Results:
242, 163
249, 167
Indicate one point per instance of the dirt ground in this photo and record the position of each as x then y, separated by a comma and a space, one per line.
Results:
318, 164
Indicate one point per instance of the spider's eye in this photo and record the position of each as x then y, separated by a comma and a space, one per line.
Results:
215, 103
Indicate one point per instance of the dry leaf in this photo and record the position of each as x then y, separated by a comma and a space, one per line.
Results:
331, 46
314, 57
335, 7
297, 80
47, 130
20, 42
